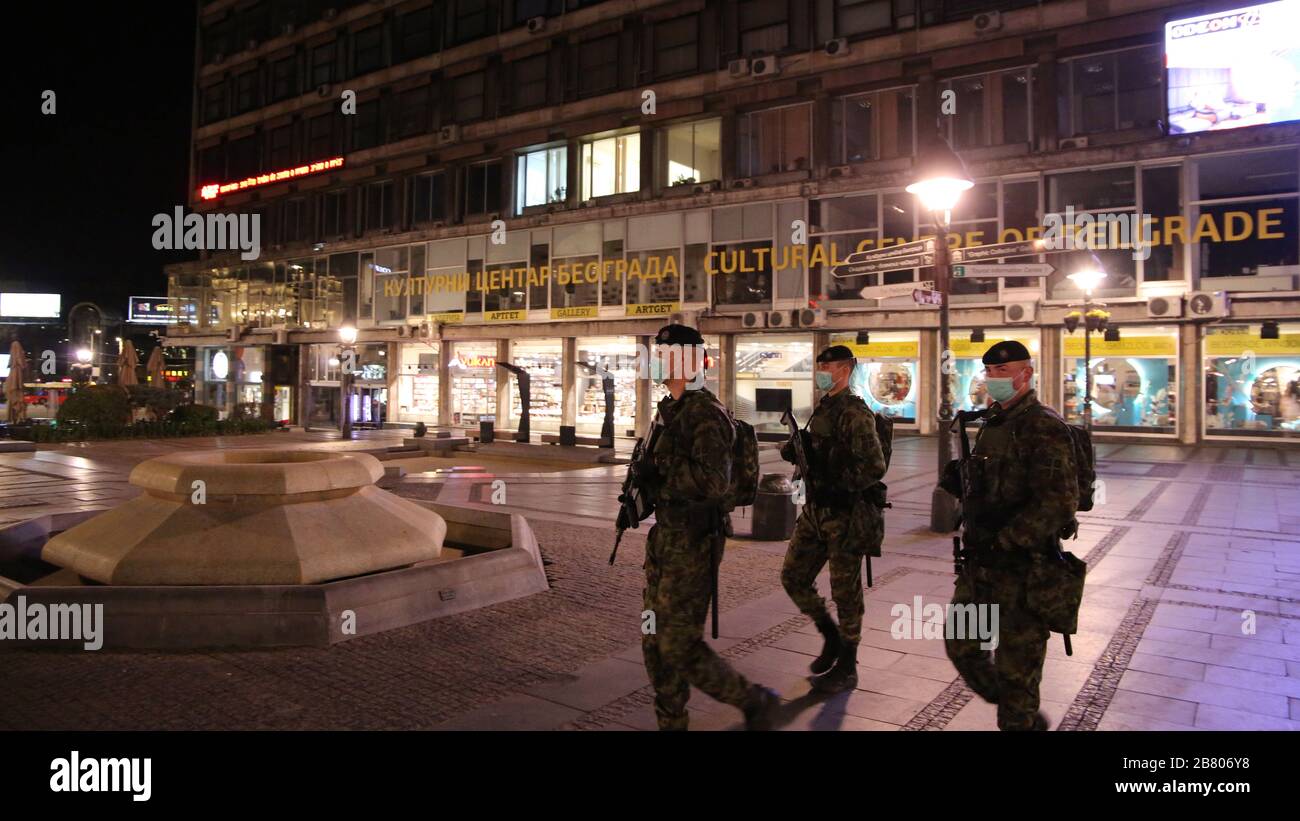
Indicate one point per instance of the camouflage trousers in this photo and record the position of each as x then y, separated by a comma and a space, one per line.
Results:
1010, 674
678, 587
824, 535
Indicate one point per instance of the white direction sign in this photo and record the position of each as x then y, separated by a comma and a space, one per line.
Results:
1033, 269
897, 289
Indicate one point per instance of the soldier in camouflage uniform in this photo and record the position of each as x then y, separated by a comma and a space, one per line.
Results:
841, 520
1021, 495
692, 468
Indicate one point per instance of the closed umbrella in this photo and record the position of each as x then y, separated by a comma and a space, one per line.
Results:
126, 365
14, 384
155, 367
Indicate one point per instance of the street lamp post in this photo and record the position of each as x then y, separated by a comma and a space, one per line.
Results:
1088, 278
941, 177
348, 339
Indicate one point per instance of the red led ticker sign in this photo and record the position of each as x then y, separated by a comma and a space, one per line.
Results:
213, 190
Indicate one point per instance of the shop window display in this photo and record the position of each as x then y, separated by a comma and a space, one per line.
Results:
473, 373
618, 356
887, 375
773, 362
417, 383
1134, 380
1252, 383
543, 360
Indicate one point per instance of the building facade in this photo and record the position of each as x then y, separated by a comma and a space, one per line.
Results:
546, 183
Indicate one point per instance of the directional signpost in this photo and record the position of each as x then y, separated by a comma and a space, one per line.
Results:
979, 253
977, 271
927, 297
897, 289
919, 254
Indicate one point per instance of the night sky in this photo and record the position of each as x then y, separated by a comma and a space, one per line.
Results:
81, 186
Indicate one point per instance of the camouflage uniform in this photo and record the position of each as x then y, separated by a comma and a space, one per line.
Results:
692, 461
839, 523
1027, 495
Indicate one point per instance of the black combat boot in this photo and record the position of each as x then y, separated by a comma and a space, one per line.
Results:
844, 675
761, 708
830, 647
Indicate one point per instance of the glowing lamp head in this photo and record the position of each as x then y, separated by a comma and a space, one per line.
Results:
83, 356
940, 177
347, 334
1089, 275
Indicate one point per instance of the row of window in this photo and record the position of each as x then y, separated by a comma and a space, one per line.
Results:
586, 67
992, 108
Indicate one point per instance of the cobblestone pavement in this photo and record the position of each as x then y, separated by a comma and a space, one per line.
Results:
1190, 545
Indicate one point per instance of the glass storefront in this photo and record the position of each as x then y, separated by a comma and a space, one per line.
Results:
773, 362
417, 383
473, 372
887, 376
968, 391
543, 359
618, 355
1252, 384
1134, 380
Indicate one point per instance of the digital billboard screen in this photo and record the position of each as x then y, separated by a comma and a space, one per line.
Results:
29, 306
1234, 68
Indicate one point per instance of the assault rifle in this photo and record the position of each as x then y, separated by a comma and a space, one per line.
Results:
636, 500
803, 475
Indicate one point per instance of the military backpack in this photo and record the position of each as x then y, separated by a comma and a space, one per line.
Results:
744, 463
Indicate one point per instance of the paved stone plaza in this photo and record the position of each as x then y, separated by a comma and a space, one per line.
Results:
1188, 540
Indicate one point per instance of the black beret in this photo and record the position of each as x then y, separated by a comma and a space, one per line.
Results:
678, 335
835, 353
1008, 350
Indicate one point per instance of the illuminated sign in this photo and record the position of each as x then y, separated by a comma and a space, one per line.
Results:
1234, 68
213, 190
158, 310
29, 305
220, 365
476, 361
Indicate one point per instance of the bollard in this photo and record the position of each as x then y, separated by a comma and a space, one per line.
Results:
774, 509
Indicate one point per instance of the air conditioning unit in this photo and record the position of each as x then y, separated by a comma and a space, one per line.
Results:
218, 57
1207, 304
330, 14
287, 28
836, 171
810, 317
403, 331
690, 319
1074, 142
426, 328
987, 22
448, 134
738, 68
764, 67
754, 319
536, 25
743, 182
778, 319
323, 89
282, 337
1165, 306
838, 47
1020, 312
250, 45
233, 333
705, 187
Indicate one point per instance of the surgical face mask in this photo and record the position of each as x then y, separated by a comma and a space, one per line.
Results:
824, 380
1000, 389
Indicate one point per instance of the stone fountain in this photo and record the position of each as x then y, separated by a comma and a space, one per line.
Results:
266, 548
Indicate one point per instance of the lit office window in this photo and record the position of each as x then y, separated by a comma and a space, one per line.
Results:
691, 153
611, 165
541, 177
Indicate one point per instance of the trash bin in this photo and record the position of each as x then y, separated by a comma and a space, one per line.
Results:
774, 509
486, 432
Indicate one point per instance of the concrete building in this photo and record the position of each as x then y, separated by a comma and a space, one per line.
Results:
546, 183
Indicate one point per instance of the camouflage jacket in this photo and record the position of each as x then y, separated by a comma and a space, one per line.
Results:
844, 454
692, 456
1022, 488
